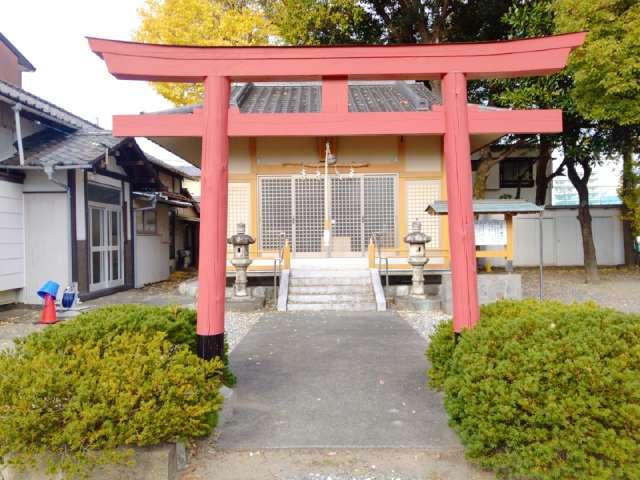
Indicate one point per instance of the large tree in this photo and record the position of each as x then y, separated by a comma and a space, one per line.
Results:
323, 22
607, 80
583, 141
327, 22
383, 21
200, 22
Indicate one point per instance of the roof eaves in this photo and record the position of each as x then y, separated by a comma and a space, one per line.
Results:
441, 207
419, 103
22, 60
240, 93
39, 106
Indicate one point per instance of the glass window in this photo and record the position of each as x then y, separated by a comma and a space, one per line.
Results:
516, 172
115, 227
101, 194
96, 260
139, 222
150, 221
115, 265
96, 227
146, 222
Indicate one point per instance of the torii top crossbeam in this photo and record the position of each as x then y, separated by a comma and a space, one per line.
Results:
216, 67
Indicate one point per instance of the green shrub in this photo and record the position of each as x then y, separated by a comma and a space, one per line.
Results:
178, 324
86, 401
440, 352
545, 390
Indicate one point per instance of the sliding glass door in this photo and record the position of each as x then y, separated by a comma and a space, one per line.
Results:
105, 263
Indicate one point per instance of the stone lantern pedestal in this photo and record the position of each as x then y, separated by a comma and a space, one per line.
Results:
417, 298
241, 298
417, 258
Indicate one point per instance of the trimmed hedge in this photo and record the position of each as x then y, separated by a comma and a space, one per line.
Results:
115, 377
83, 404
544, 390
177, 323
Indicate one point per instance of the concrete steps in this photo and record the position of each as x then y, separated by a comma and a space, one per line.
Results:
336, 281
334, 307
331, 290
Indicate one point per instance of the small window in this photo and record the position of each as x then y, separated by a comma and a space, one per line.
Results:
146, 222
516, 172
101, 194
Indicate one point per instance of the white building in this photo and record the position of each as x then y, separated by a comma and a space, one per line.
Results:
562, 236
78, 205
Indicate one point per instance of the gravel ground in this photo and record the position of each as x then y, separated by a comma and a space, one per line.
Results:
21, 321
339, 464
619, 288
237, 325
10, 331
424, 323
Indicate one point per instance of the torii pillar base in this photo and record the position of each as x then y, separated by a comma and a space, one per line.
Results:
210, 346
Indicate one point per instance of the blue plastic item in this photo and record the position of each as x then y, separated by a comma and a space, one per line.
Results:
68, 297
49, 288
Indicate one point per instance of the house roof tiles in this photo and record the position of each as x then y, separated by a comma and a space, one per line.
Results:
46, 109
302, 97
50, 147
76, 142
441, 207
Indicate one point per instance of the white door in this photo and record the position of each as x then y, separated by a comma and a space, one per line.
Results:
106, 247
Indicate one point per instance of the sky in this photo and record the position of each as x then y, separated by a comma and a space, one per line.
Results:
51, 34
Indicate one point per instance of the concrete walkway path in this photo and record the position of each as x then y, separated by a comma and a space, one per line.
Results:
335, 380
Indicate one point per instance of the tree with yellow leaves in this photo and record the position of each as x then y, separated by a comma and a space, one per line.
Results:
200, 22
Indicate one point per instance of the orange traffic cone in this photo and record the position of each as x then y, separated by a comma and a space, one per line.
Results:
48, 315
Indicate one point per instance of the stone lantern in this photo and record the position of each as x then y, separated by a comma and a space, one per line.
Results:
241, 259
417, 258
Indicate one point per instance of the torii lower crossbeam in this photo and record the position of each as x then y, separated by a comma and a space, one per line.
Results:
454, 64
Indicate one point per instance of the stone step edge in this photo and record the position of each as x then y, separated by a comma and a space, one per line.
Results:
320, 298
319, 307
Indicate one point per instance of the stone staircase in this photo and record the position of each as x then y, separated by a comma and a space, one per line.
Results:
331, 289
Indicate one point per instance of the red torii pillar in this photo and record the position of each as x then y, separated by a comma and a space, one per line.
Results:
455, 120
457, 158
214, 181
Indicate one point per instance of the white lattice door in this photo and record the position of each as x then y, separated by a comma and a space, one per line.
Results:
359, 207
308, 216
347, 225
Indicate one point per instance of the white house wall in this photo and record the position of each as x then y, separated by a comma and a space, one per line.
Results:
279, 150
81, 220
12, 265
424, 153
493, 190
47, 239
239, 157
372, 150
563, 239
152, 251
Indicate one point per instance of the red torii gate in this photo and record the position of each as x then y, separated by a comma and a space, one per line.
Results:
216, 67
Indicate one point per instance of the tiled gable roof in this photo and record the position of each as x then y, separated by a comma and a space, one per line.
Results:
37, 105
372, 96
76, 142
50, 147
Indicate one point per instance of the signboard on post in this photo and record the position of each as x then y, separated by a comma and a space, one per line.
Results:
491, 232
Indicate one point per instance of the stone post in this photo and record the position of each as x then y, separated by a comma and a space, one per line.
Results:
241, 259
417, 258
